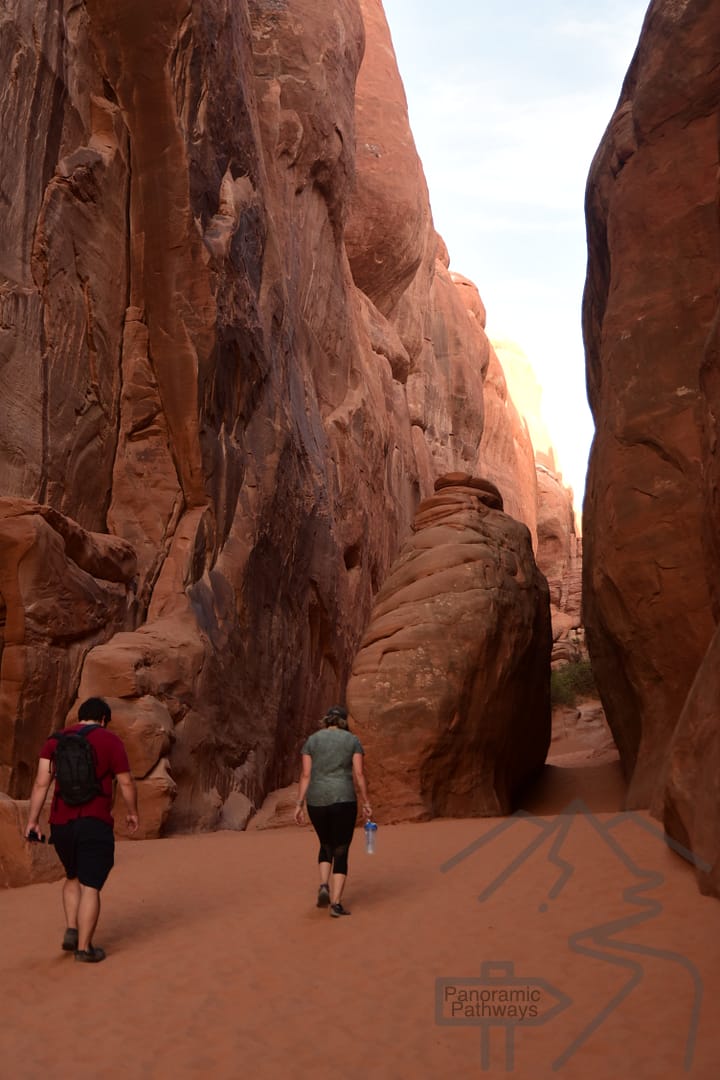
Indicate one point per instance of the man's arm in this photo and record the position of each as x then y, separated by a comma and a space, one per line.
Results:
38, 795
129, 794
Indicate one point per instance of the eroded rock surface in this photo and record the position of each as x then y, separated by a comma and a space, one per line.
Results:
450, 690
651, 520
22, 863
691, 790
62, 591
232, 347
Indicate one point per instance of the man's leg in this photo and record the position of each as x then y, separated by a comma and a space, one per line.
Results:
95, 856
71, 902
87, 915
62, 836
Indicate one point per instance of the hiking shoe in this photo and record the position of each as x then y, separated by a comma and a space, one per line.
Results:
92, 955
70, 941
337, 910
323, 896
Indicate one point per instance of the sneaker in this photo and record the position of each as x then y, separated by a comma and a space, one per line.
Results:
70, 941
91, 955
323, 898
337, 910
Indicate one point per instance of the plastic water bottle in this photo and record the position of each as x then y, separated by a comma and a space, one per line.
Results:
370, 834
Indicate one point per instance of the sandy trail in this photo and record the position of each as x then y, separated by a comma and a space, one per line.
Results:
220, 965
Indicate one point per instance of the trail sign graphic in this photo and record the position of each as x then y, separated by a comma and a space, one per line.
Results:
498, 998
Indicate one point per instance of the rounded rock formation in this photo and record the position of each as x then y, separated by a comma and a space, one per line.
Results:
450, 690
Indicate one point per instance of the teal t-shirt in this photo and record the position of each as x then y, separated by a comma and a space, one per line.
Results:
331, 779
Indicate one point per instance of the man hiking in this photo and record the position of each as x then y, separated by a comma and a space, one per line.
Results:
83, 760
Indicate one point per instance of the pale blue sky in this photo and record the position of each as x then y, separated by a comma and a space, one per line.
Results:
508, 102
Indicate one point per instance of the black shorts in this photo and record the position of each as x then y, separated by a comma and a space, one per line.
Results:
86, 848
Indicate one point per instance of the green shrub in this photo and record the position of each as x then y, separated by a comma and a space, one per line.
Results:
571, 682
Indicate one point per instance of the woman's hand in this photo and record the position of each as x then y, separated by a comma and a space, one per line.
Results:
367, 810
299, 814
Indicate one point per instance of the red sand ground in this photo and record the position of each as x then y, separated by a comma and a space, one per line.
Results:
219, 965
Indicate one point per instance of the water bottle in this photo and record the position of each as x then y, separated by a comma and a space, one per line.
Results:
370, 834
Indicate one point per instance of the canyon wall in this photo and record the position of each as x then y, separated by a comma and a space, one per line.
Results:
507, 454
558, 543
233, 361
652, 508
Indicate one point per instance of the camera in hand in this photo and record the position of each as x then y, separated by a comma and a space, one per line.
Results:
35, 837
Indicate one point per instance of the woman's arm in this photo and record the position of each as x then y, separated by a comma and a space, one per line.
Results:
361, 786
303, 785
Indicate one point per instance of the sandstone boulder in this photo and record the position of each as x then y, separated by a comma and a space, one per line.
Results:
236, 812
449, 691
277, 810
155, 794
146, 729
22, 863
580, 734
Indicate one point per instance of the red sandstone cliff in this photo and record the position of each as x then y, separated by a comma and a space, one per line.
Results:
652, 509
507, 454
517, 453
233, 361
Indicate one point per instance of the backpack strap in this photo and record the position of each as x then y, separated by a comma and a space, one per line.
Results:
87, 728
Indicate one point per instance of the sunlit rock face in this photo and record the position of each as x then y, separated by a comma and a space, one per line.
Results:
507, 455
527, 395
651, 520
450, 690
559, 557
517, 453
204, 363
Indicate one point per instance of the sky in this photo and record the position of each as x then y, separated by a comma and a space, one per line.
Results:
508, 102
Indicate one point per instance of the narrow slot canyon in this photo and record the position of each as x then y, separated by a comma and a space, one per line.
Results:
353, 366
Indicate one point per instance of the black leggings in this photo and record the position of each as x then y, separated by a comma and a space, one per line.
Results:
334, 825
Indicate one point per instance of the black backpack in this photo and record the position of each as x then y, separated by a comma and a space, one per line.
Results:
76, 777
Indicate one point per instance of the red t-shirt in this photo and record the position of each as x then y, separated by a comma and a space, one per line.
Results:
111, 759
